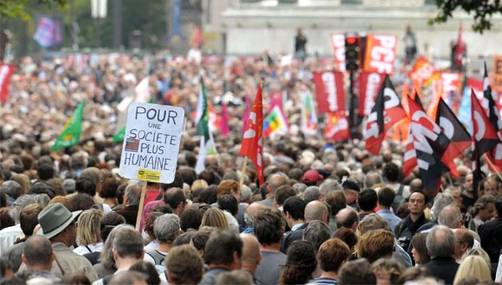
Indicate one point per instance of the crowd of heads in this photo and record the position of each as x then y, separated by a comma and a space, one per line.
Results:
328, 213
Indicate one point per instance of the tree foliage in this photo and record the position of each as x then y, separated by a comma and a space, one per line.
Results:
481, 10
19, 9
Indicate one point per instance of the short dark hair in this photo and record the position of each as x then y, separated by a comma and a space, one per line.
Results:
498, 206
37, 250
184, 265
109, 188
347, 235
174, 196
391, 172
356, 272
336, 201
268, 227
228, 202
110, 221
28, 218
300, 264
332, 254
221, 246
201, 237
316, 233
45, 171
282, 193
79, 201
148, 269
367, 200
295, 206
86, 185
191, 218
386, 197
208, 195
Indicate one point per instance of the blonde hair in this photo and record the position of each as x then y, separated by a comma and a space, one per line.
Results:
214, 217
473, 266
89, 227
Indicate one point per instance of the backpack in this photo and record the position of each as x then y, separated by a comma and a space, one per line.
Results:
158, 257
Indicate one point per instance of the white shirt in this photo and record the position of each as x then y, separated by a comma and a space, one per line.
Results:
498, 276
8, 236
85, 249
153, 245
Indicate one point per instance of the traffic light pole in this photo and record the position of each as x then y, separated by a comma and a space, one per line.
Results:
352, 106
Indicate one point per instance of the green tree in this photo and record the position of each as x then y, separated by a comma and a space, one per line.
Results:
481, 10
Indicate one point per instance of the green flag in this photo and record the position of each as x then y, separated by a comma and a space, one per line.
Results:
119, 136
71, 133
202, 112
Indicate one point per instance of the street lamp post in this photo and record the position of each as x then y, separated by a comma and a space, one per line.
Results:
98, 12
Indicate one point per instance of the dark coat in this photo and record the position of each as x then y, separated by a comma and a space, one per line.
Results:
443, 268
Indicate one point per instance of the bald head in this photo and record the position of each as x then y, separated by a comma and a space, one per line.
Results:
416, 185
250, 253
252, 211
451, 217
276, 180
347, 218
316, 211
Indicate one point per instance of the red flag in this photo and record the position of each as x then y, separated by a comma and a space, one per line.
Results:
385, 113
495, 156
484, 136
369, 84
484, 133
337, 127
458, 137
224, 129
6, 72
410, 156
252, 141
428, 140
329, 91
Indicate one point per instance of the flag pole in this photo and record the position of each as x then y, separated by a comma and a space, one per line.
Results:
244, 165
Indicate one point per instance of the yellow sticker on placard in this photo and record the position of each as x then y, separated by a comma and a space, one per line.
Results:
148, 175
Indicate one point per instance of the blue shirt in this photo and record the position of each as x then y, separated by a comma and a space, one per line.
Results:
390, 217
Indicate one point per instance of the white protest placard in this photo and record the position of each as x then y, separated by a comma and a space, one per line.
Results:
151, 142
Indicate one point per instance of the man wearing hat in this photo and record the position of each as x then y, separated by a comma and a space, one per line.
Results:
57, 224
351, 190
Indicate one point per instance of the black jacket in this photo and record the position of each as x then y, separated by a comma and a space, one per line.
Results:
443, 268
292, 236
490, 234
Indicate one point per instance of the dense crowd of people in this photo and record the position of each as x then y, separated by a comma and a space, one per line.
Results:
328, 213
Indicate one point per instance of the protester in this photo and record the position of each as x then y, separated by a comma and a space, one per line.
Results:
58, 225
300, 264
441, 247
332, 254
222, 253
184, 266
269, 228
312, 185
473, 266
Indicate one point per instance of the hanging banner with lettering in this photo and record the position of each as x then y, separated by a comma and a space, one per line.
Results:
151, 142
6, 72
338, 44
369, 84
329, 91
422, 72
380, 53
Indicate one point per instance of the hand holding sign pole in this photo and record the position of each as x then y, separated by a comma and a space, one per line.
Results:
151, 144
